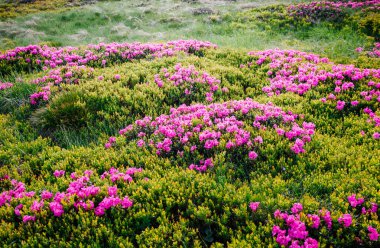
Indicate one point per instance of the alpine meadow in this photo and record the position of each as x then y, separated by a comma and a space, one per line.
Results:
189, 123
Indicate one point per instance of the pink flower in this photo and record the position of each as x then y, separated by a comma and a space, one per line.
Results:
112, 139
108, 145
326, 216
373, 234
297, 207
112, 191
376, 135
315, 219
59, 173
346, 220
117, 77
359, 49
340, 105
140, 143
126, 202
99, 211
374, 207
56, 208
17, 209
252, 155
46, 195
37, 206
100, 78
254, 206
354, 103
353, 201
27, 218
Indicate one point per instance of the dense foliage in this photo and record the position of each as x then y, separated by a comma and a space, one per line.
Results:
184, 144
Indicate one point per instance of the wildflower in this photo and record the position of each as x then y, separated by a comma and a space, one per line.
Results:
297, 207
346, 220
17, 209
59, 173
112, 191
46, 195
354, 103
252, 155
126, 202
353, 201
99, 211
373, 234
56, 208
27, 218
254, 206
37, 206
117, 77
376, 135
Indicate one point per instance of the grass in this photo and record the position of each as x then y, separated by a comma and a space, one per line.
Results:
146, 21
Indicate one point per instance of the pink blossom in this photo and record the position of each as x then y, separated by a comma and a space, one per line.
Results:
27, 218
373, 234
297, 207
112, 191
376, 135
353, 201
254, 206
346, 220
46, 195
252, 155
126, 202
59, 173
56, 208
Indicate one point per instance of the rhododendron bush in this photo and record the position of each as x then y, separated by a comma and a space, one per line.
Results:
183, 144
200, 131
347, 88
328, 10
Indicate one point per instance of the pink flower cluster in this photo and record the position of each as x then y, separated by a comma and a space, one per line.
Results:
204, 129
295, 231
354, 202
341, 4
81, 193
344, 85
188, 79
41, 95
375, 52
4, 86
254, 206
99, 55
66, 75
328, 11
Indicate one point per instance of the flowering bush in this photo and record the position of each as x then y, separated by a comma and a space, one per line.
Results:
80, 194
62, 75
328, 11
4, 86
256, 155
344, 86
190, 82
200, 131
35, 57
374, 53
298, 229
